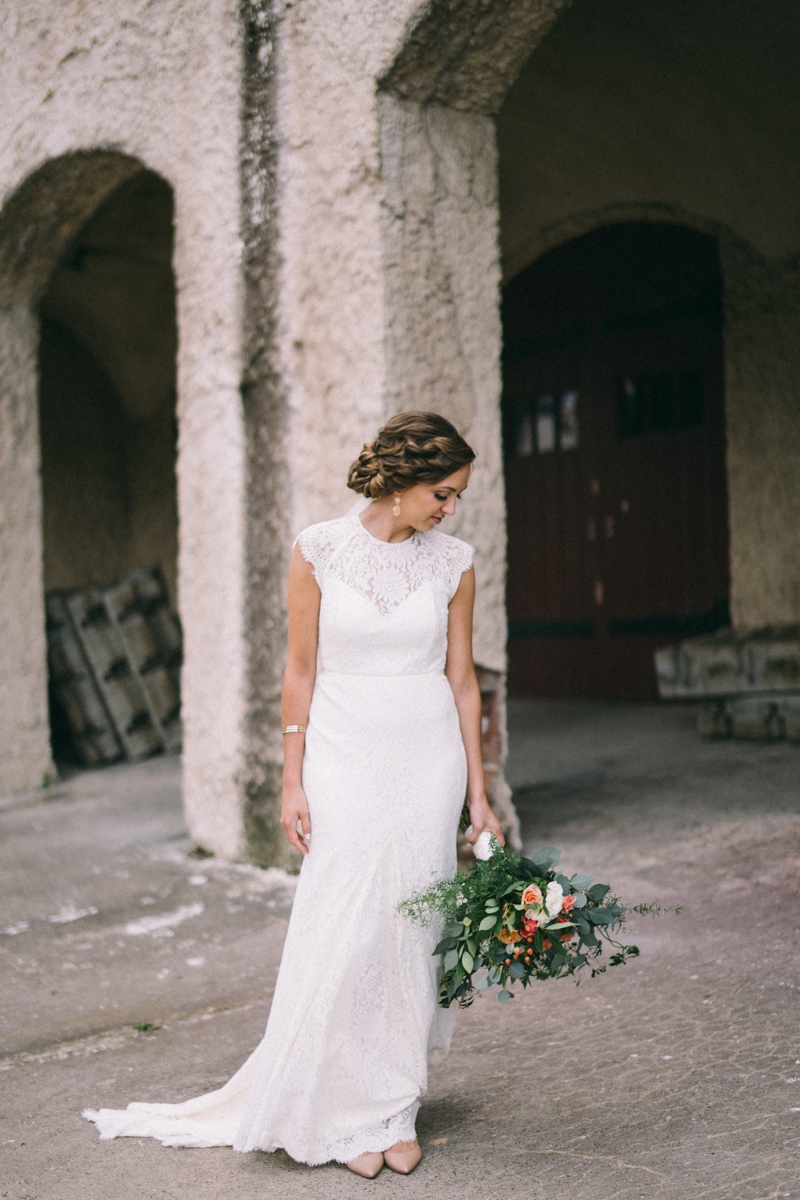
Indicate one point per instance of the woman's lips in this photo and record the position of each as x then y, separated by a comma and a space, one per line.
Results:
438, 520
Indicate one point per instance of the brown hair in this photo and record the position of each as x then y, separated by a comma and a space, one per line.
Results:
411, 448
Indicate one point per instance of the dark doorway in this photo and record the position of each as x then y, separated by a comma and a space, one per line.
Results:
613, 413
107, 394
107, 420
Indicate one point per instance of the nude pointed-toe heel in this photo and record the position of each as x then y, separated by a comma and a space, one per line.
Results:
403, 1157
366, 1165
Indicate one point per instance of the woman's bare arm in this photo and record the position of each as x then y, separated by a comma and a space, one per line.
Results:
460, 672
298, 686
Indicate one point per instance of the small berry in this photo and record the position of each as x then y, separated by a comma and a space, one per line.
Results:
508, 962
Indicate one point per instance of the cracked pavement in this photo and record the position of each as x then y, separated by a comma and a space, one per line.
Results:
131, 971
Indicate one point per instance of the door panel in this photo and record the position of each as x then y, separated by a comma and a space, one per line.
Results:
614, 449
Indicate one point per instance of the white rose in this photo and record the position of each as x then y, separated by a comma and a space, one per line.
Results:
554, 899
483, 848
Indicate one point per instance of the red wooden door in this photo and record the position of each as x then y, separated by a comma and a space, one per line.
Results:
613, 414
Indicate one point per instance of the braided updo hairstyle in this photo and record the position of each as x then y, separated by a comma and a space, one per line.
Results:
411, 448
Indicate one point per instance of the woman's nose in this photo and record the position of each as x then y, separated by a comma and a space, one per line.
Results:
450, 506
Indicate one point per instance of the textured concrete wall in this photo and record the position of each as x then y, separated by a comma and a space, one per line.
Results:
388, 241
762, 338
157, 86
686, 113
442, 327
24, 733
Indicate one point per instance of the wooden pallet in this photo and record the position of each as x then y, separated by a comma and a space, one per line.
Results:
72, 678
115, 657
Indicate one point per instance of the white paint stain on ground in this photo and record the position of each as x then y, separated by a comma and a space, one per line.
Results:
159, 925
68, 912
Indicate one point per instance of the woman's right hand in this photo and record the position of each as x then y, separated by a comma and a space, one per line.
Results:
293, 809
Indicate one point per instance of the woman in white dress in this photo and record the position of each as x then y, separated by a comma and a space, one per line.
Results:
381, 715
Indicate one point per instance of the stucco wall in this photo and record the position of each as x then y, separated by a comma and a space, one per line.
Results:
762, 337
388, 242
687, 113
442, 328
161, 84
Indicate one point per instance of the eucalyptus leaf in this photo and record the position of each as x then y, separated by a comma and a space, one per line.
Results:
453, 930
445, 945
488, 922
480, 983
472, 947
600, 916
597, 892
563, 882
582, 881
580, 900
516, 970
545, 858
450, 959
467, 961
504, 995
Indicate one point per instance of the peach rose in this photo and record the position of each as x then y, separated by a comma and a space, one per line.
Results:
568, 904
531, 895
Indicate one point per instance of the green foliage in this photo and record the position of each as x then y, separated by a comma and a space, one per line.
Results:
488, 929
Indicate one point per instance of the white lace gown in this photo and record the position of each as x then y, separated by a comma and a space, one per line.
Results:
354, 1022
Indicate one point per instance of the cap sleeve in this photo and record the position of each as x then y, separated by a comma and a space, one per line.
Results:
460, 559
318, 544
314, 547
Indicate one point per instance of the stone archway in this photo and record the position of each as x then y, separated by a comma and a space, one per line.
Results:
47, 219
630, 112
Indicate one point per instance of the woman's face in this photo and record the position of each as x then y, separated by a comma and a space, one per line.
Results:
426, 505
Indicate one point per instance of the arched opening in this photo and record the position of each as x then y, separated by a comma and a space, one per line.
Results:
615, 458
107, 419
650, 127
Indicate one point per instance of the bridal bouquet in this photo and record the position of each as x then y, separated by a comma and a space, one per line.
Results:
518, 919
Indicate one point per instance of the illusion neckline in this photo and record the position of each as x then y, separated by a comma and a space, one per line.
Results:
393, 545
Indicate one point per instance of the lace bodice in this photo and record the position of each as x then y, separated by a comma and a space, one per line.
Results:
384, 604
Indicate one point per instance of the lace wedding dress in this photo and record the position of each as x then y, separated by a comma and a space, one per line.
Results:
354, 1022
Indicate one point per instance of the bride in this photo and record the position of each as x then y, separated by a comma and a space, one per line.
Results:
381, 716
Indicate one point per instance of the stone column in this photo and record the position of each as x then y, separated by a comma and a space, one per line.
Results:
762, 355
25, 760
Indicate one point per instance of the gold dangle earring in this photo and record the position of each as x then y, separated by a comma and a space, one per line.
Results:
396, 509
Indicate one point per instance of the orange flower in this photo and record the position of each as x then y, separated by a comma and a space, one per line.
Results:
531, 895
529, 927
509, 935
547, 943
565, 937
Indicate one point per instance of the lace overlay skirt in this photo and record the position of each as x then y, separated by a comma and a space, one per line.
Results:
354, 1023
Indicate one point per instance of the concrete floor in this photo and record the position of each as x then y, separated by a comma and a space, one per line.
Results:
673, 1078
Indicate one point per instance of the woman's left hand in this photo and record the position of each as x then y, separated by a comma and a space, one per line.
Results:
482, 818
